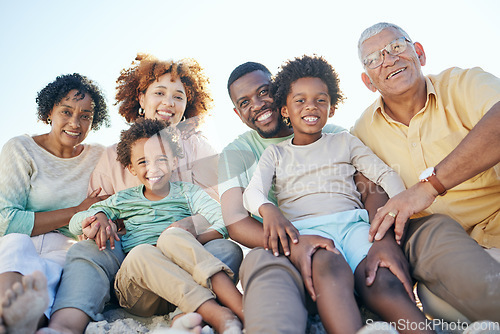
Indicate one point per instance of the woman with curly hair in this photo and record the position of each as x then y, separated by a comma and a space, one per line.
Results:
153, 89
43, 184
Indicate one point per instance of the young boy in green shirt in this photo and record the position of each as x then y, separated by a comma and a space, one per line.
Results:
183, 274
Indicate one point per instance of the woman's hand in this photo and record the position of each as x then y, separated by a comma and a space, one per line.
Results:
276, 226
91, 199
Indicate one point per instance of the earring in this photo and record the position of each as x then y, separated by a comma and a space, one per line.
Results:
286, 120
183, 118
141, 111
49, 121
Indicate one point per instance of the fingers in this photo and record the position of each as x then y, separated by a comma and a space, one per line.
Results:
374, 225
111, 234
330, 246
306, 271
386, 225
284, 243
293, 233
405, 279
273, 240
95, 192
266, 238
399, 228
371, 272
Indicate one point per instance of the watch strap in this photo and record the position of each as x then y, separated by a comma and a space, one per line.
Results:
433, 180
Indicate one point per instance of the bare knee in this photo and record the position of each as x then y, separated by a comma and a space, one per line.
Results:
386, 287
329, 264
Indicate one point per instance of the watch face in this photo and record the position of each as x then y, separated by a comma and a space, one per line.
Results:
426, 173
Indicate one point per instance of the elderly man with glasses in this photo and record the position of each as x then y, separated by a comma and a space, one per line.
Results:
415, 124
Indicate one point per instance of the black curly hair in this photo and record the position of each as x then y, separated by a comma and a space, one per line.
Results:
304, 67
243, 69
146, 128
55, 91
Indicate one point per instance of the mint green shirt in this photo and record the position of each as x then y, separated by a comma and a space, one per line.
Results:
145, 220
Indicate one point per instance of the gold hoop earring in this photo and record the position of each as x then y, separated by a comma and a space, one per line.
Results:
286, 120
141, 112
49, 121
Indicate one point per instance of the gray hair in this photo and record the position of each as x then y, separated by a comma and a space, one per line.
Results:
375, 29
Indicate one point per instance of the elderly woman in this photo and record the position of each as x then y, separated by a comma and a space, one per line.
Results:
43, 182
155, 89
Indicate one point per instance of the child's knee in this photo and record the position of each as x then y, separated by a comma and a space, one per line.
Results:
326, 263
386, 286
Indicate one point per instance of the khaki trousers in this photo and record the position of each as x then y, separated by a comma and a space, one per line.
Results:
153, 280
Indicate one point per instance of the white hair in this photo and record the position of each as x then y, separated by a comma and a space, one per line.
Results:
375, 29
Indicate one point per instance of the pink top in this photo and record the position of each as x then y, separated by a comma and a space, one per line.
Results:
198, 166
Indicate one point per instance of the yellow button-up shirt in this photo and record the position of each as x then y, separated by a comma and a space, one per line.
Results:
456, 100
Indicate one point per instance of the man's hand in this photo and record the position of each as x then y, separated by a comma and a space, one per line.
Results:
301, 257
276, 226
386, 253
400, 208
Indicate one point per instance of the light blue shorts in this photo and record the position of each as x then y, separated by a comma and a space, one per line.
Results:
348, 229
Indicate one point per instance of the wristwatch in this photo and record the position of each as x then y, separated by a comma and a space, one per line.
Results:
429, 175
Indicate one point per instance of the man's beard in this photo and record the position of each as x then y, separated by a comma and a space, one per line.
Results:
270, 133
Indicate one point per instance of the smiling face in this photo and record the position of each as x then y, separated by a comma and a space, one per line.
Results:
308, 106
71, 119
250, 96
397, 74
164, 99
152, 162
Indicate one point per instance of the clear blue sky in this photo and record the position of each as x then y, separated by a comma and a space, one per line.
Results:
42, 39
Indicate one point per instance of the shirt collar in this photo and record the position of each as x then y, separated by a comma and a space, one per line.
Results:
378, 106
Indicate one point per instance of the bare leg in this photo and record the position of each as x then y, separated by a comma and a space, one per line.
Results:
227, 293
334, 285
23, 305
67, 321
388, 298
222, 319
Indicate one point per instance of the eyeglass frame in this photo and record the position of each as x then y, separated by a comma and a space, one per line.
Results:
381, 51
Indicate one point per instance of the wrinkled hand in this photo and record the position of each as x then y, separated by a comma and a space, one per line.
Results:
186, 224
105, 231
301, 257
91, 199
276, 226
387, 254
402, 206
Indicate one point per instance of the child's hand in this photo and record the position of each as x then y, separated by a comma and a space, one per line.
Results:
186, 224
107, 231
276, 226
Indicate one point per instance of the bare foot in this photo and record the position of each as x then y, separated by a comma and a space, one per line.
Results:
190, 322
23, 305
228, 323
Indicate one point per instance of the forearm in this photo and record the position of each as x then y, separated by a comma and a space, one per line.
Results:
248, 232
372, 196
478, 151
51, 220
208, 235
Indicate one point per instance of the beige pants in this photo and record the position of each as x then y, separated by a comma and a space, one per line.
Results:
153, 280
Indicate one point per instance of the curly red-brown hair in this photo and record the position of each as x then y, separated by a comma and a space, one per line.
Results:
146, 69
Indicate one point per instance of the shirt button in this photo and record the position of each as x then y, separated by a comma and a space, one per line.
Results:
414, 145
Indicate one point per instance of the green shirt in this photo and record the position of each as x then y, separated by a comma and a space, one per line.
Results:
145, 220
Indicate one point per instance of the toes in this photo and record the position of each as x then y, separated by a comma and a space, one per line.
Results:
39, 280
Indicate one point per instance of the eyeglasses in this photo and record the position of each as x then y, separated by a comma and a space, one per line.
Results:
394, 48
